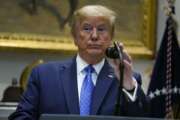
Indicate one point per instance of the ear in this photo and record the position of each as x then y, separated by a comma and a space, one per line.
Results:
112, 32
75, 36
75, 33
75, 41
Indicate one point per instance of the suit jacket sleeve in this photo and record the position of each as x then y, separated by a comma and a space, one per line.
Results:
28, 106
140, 106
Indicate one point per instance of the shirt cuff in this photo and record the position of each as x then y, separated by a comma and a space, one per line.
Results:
131, 96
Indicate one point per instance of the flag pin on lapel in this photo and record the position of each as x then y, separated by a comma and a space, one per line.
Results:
110, 76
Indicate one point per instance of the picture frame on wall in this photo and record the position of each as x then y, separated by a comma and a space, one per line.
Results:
44, 25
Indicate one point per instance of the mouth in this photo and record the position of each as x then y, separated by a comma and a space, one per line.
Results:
94, 46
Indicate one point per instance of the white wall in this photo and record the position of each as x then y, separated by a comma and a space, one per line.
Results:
177, 5
12, 64
161, 19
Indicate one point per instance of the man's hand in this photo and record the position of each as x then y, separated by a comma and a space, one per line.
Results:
128, 82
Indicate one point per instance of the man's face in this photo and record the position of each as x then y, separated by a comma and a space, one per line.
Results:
93, 35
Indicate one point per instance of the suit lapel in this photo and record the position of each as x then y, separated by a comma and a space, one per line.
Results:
103, 84
69, 80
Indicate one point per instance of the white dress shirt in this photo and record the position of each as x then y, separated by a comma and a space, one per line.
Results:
81, 64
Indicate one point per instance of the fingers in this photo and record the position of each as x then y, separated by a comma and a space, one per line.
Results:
128, 65
126, 59
126, 56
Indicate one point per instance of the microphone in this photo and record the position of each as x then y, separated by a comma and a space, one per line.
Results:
112, 52
117, 53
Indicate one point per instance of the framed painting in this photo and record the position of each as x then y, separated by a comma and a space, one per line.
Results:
44, 25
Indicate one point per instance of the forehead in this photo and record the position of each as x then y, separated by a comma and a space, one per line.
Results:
95, 20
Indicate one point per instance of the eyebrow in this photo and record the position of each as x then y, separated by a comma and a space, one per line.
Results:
100, 25
86, 24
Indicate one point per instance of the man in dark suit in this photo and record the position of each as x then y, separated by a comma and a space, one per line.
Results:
86, 84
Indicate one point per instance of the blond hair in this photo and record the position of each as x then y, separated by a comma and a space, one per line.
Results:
94, 10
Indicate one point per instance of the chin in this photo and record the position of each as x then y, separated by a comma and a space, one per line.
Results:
96, 53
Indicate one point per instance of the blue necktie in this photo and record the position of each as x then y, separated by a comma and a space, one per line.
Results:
86, 91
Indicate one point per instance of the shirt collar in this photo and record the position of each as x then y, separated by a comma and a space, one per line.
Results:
81, 64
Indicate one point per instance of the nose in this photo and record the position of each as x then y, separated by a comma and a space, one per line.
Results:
94, 34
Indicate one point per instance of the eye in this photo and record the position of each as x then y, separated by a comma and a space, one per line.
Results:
87, 28
102, 29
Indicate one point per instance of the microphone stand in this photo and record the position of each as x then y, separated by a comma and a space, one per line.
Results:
117, 111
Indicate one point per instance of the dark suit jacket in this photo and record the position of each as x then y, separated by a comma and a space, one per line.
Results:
52, 88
